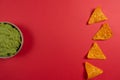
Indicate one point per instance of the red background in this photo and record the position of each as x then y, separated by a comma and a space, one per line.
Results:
57, 39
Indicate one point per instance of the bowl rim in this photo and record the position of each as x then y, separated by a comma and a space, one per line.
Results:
22, 39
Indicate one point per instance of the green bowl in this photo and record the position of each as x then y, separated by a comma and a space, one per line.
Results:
11, 40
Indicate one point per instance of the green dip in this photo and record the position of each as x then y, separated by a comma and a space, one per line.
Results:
10, 40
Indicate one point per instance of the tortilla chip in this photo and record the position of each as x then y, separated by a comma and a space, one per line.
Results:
95, 52
104, 33
92, 71
97, 16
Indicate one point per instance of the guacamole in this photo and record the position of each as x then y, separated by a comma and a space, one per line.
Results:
10, 40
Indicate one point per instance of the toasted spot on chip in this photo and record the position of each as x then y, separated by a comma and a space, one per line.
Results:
97, 16
103, 33
95, 52
92, 71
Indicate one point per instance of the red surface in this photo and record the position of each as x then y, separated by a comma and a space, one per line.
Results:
57, 39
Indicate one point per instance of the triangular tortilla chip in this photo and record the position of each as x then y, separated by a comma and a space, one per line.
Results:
104, 33
95, 52
97, 16
92, 71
